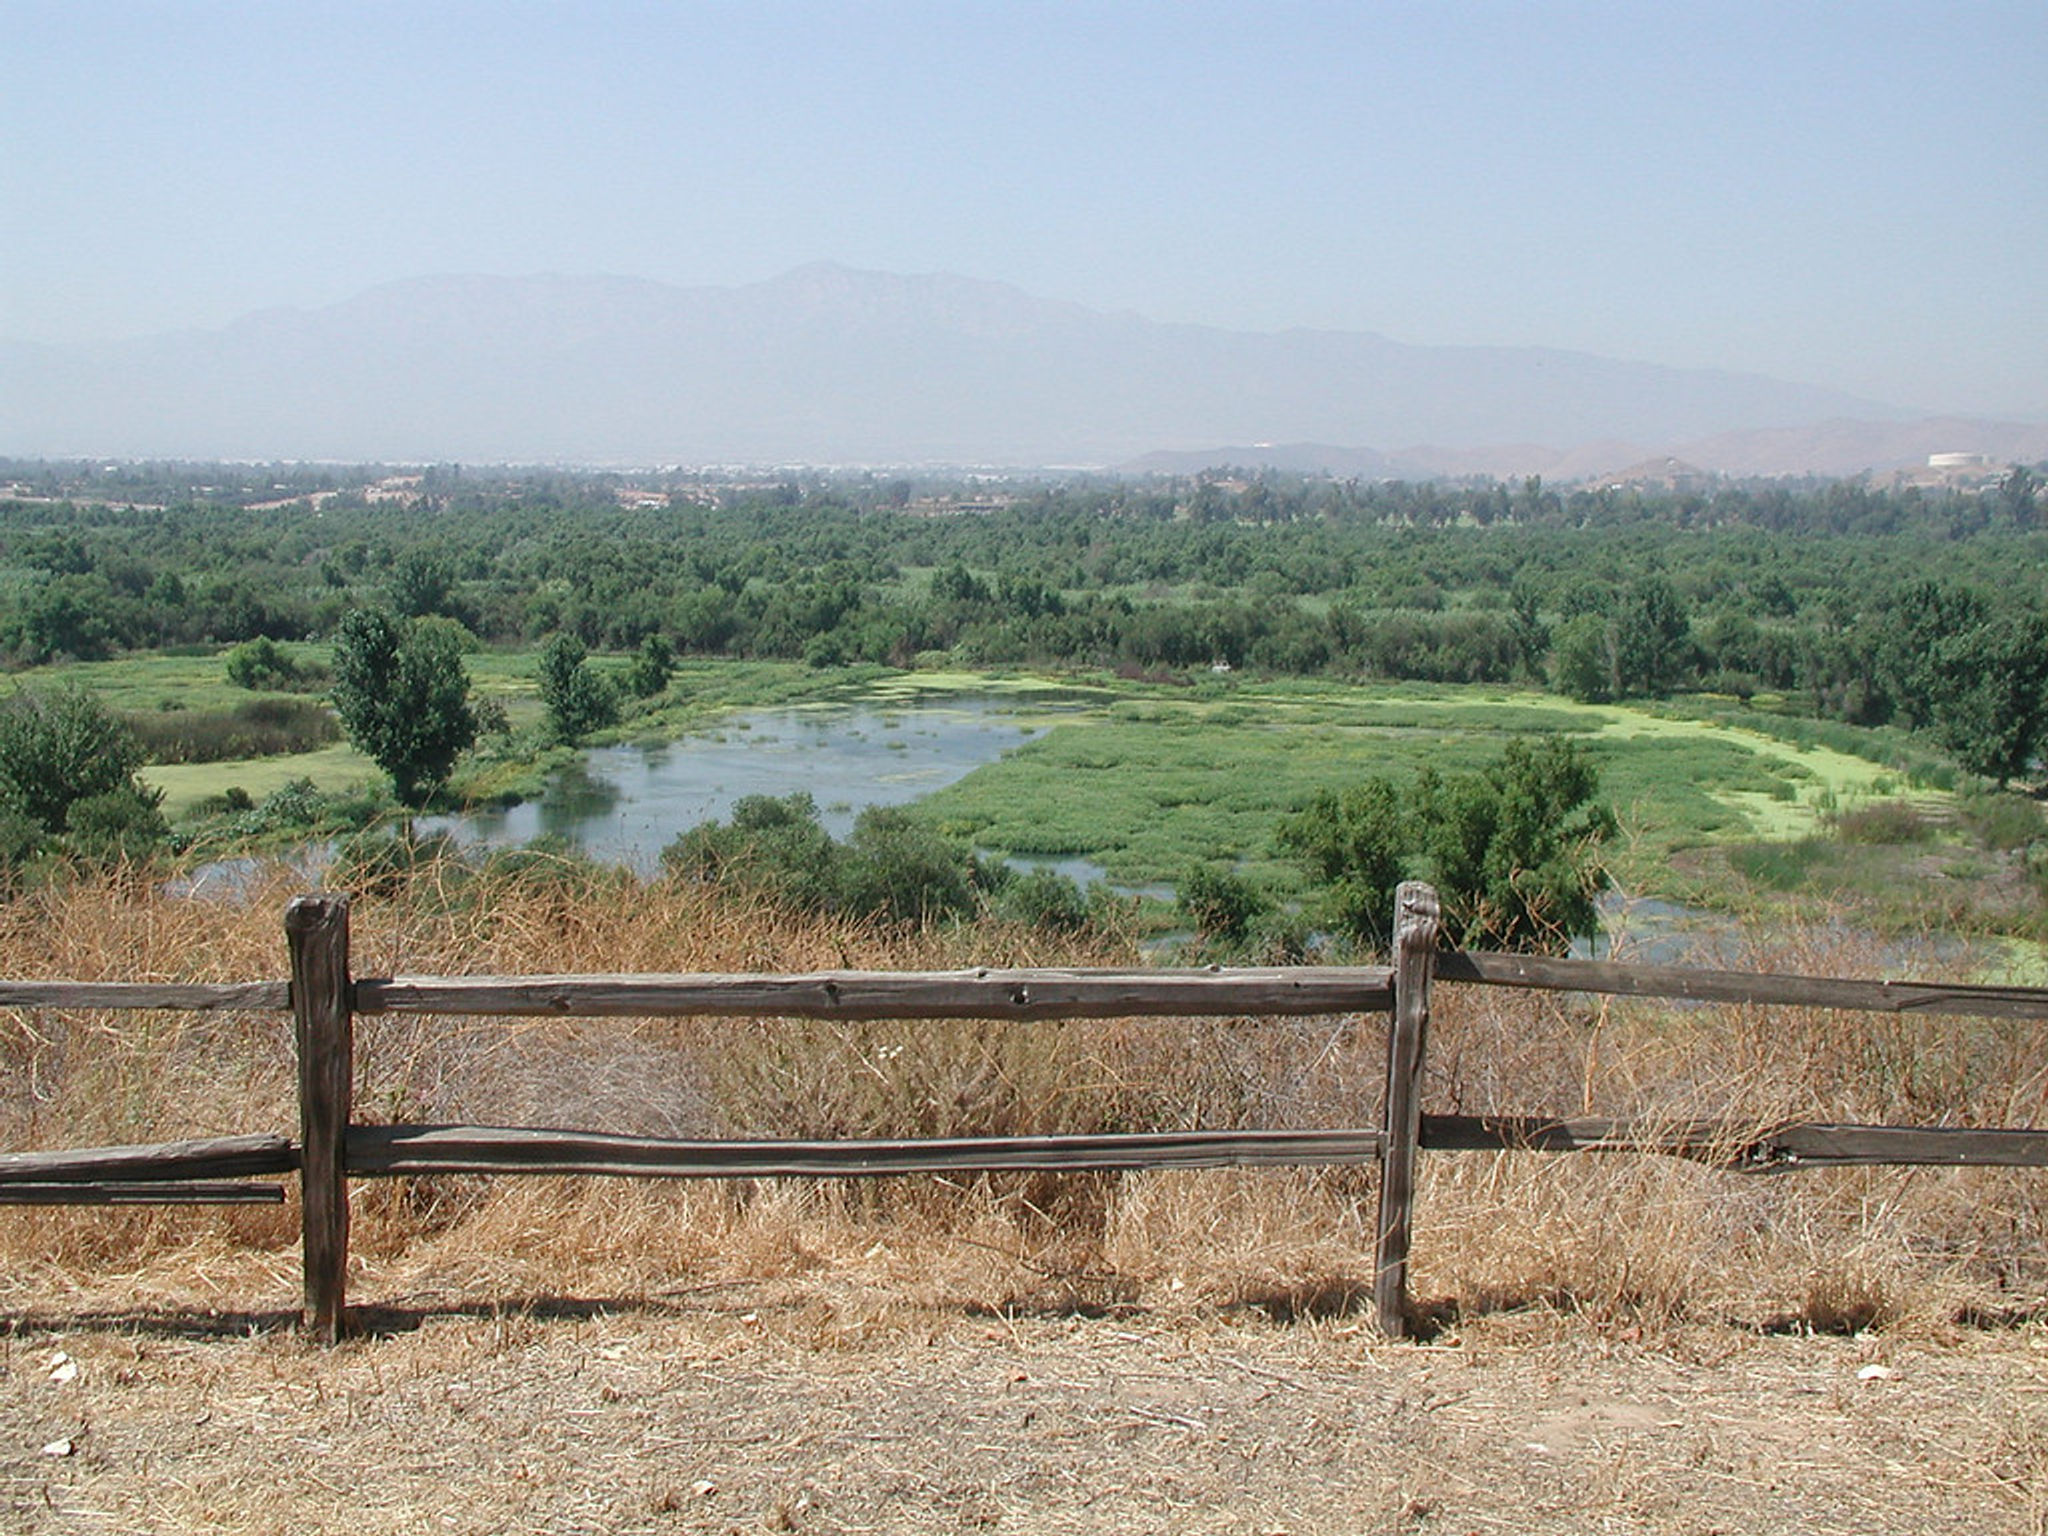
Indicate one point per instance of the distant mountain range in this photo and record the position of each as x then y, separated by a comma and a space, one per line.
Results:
828, 365
1836, 447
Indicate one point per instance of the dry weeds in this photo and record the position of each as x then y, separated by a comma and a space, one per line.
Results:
1177, 1351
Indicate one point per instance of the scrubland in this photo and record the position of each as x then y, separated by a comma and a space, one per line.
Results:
1616, 1342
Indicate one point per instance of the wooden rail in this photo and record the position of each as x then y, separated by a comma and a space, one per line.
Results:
324, 998
219, 1157
978, 994
257, 995
1683, 983
420, 1149
1742, 1149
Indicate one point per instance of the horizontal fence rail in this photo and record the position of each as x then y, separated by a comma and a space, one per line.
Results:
323, 999
169, 1173
154, 1192
255, 996
422, 1149
977, 994
1685, 984
1782, 1149
219, 1157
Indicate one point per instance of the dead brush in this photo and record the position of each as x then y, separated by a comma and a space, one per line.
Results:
1611, 1236
1656, 1239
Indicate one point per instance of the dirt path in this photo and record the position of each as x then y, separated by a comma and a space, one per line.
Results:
769, 1407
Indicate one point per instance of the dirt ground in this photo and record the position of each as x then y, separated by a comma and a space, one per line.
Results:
800, 1406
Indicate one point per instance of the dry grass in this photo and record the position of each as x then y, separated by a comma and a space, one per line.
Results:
1616, 1241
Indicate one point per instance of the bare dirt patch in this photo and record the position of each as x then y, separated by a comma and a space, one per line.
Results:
824, 1404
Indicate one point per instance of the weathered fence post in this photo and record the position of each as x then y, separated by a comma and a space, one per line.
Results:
316, 928
1415, 932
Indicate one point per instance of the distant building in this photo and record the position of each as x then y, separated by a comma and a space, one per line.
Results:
403, 489
1665, 474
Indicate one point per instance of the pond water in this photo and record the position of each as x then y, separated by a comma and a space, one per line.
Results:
1649, 931
623, 805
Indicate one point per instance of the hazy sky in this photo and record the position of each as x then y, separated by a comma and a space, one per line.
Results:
1853, 195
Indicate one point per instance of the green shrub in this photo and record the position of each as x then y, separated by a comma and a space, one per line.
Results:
117, 826
60, 748
1777, 866
261, 663
1220, 905
895, 867
1047, 900
1513, 848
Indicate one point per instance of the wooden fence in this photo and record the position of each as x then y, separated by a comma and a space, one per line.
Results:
324, 998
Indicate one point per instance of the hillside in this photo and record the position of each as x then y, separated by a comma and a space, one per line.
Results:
830, 365
1840, 447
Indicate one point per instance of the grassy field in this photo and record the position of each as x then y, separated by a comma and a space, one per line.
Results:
186, 785
1146, 779
1161, 778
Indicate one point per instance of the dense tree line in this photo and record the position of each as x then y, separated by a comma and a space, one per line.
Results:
1905, 606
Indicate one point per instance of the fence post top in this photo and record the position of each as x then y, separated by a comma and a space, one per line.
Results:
1415, 906
315, 910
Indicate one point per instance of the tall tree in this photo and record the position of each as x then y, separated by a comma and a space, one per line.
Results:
1991, 704
578, 701
403, 697
1652, 640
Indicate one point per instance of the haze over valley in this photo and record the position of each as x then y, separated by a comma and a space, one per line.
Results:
831, 365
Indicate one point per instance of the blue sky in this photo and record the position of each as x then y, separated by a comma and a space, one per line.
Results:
1853, 195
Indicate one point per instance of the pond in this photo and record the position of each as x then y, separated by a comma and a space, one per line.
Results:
1646, 930
623, 805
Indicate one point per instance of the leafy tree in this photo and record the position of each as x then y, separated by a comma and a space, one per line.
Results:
1514, 848
403, 697
2018, 494
649, 673
1581, 657
66, 616
62, 748
1914, 653
578, 701
1356, 842
1652, 640
1532, 638
1991, 703
421, 584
